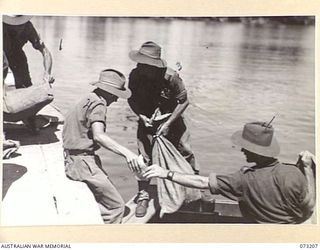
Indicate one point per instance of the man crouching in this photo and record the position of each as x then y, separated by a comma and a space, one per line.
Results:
84, 133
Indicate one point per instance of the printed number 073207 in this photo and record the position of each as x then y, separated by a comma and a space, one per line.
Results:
309, 246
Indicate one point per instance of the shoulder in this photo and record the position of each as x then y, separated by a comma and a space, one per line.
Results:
133, 78
174, 80
94, 98
29, 25
284, 169
29, 28
171, 75
91, 101
289, 175
133, 73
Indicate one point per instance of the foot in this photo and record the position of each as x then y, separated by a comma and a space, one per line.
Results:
9, 148
142, 203
30, 123
43, 122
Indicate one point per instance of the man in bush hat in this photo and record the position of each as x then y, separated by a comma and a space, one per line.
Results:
268, 192
157, 89
84, 133
17, 31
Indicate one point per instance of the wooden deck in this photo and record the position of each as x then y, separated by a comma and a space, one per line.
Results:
37, 192
35, 188
129, 215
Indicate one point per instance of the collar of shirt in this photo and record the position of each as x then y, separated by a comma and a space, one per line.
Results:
253, 168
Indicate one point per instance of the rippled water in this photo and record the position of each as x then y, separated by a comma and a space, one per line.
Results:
235, 73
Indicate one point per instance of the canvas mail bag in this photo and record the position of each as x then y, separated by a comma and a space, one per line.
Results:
19, 104
171, 195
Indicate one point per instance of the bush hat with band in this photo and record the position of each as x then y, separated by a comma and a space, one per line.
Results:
15, 19
257, 137
149, 53
113, 81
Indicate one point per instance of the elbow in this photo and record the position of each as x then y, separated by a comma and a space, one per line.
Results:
308, 207
46, 53
205, 185
311, 205
183, 105
98, 138
186, 103
203, 182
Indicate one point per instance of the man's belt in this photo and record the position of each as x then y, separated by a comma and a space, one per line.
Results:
78, 152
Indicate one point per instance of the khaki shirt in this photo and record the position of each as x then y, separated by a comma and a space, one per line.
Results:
77, 133
270, 194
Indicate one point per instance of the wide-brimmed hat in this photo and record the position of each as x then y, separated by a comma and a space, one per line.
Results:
257, 137
15, 19
149, 53
113, 81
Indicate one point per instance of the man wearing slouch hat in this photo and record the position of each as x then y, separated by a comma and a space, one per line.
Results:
157, 88
84, 132
269, 191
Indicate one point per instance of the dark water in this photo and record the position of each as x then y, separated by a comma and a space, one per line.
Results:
234, 73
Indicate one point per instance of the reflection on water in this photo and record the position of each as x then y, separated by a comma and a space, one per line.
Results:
235, 73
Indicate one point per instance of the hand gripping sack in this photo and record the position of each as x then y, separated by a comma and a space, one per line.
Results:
171, 195
19, 104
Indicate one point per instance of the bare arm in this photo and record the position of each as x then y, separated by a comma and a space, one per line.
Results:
306, 163
47, 64
188, 180
180, 108
105, 141
177, 112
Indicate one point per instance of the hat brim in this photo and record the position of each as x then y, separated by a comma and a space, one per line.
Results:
124, 94
16, 20
136, 56
270, 151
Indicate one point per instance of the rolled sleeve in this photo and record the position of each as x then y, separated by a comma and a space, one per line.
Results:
229, 186
97, 114
213, 184
34, 38
182, 97
179, 90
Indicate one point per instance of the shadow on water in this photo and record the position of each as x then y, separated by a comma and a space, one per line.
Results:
11, 173
20, 133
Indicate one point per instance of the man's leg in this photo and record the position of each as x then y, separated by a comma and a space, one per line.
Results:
110, 201
20, 69
88, 169
179, 136
185, 150
145, 149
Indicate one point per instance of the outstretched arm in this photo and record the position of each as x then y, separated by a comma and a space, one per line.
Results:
105, 141
188, 180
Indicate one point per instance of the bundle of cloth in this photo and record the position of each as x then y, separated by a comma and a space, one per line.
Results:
19, 104
171, 195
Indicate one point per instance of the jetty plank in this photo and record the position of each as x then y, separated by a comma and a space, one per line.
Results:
43, 195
